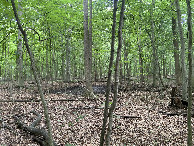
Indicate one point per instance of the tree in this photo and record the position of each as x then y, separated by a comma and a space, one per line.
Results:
189, 140
19, 55
155, 60
184, 79
140, 49
108, 88
176, 51
87, 49
50, 142
68, 50
116, 84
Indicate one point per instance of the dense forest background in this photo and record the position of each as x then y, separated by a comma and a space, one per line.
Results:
94, 49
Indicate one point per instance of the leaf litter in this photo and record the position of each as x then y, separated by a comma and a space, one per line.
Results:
137, 118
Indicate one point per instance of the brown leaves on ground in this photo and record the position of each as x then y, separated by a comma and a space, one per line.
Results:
137, 120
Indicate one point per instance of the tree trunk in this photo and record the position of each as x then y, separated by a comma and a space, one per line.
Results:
192, 73
184, 78
35, 75
189, 139
113, 105
140, 57
155, 69
62, 59
68, 50
176, 51
87, 50
19, 56
105, 114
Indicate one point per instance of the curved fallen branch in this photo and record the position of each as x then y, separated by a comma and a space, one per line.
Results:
40, 134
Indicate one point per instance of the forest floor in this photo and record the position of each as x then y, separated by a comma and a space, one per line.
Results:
142, 115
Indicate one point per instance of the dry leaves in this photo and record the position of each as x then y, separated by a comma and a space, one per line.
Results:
137, 120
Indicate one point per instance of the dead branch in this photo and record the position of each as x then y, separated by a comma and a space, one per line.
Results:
40, 134
38, 100
131, 117
86, 107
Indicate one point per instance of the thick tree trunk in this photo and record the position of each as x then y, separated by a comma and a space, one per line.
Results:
176, 51
35, 75
189, 140
113, 105
87, 51
103, 131
184, 78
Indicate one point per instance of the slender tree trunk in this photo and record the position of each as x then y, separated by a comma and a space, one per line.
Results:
189, 140
121, 71
113, 105
62, 59
192, 80
90, 40
176, 51
20, 51
47, 63
155, 69
109, 77
87, 50
35, 75
68, 50
184, 78
140, 57
140, 48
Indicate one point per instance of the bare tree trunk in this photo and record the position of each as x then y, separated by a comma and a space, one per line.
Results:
62, 60
87, 50
155, 69
140, 48
140, 57
192, 82
113, 105
68, 50
184, 78
35, 75
189, 139
108, 88
19, 56
176, 51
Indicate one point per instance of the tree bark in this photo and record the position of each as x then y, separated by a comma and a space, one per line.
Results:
35, 75
87, 51
155, 69
105, 114
113, 105
184, 79
19, 55
68, 51
140, 57
176, 51
189, 139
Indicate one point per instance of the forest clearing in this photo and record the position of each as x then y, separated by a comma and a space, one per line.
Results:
142, 117
96, 72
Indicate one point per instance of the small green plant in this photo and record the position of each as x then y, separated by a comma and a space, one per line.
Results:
80, 117
70, 124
